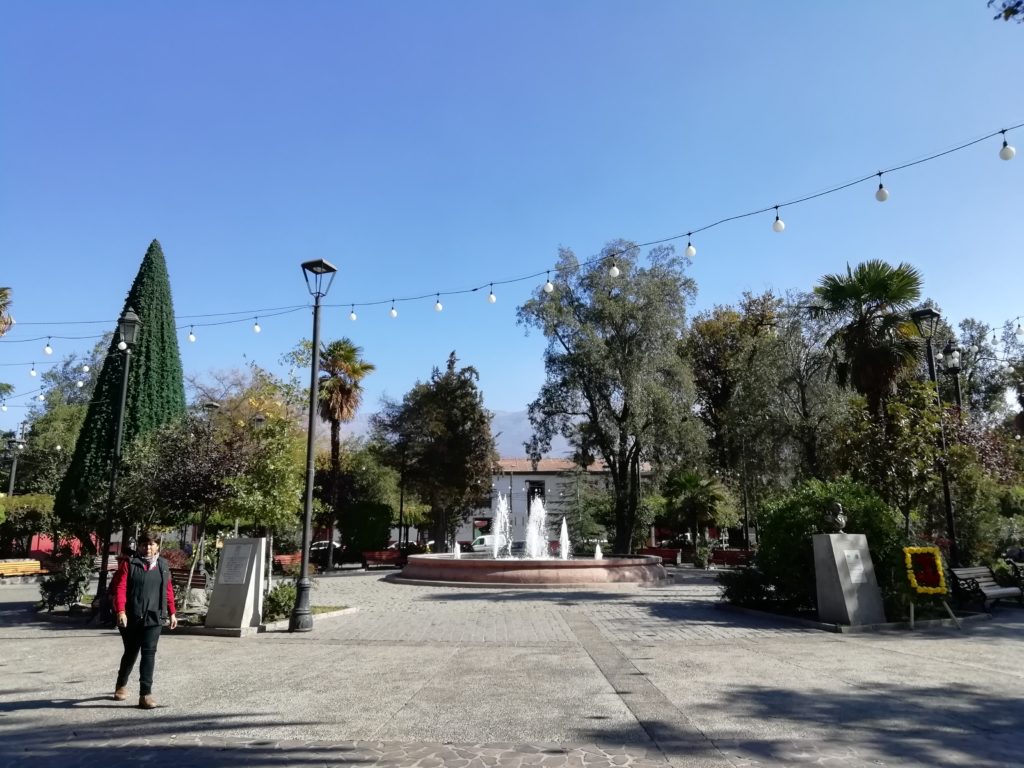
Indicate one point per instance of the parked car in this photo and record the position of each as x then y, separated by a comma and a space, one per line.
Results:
318, 548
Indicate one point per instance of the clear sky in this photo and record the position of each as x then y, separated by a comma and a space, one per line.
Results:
426, 147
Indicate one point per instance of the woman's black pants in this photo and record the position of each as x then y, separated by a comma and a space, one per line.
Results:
137, 638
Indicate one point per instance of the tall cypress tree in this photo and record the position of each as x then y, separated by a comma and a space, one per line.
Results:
156, 395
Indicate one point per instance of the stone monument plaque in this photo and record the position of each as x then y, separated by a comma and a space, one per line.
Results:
847, 590
237, 601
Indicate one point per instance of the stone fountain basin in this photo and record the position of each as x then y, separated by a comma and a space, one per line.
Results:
482, 569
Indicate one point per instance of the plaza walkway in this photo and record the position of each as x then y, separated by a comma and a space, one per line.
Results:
467, 678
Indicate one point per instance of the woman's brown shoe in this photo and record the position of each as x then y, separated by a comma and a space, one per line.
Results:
147, 702
120, 693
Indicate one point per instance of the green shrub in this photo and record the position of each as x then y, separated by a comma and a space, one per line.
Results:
786, 555
280, 602
67, 585
745, 586
701, 556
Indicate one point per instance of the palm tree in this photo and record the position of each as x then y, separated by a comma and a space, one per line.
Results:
6, 321
875, 344
342, 371
693, 500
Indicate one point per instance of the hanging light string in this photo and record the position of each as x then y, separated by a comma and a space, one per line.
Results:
1006, 152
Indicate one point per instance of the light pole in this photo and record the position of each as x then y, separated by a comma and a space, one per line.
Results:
129, 327
951, 365
319, 275
927, 320
13, 447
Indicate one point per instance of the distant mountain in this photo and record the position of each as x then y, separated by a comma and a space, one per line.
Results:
511, 429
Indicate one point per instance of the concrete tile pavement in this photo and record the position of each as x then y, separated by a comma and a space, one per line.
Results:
448, 676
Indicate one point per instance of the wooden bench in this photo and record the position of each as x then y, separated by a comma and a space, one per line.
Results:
19, 567
97, 562
668, 555
382, 557
179, 578
283, 561
731, 556
979, 584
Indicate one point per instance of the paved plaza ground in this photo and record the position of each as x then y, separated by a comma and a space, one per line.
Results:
473, 677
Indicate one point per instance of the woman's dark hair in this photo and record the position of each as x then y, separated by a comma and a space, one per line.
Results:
145, 537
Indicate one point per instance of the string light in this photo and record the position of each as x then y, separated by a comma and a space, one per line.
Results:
1006, 152
48, 350
352, 315
256, 325
691, 251
778, 225
33, 371
882, 194
79, 383
490, 296
40, 396
549, 286
438, 306
393, 312
614, 270
1020, 330
3, 407
122, 345
85, 368
192, 334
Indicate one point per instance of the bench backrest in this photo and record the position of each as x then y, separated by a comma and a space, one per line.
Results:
981, 574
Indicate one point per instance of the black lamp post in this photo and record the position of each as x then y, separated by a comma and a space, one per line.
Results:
129, 327
951, 365
927, 321
13, 447
319, 275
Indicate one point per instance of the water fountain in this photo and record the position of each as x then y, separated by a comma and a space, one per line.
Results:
537, 567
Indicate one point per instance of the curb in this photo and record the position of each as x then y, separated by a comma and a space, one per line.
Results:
845, 629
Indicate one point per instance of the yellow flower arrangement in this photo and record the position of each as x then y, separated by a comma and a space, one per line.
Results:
924, 569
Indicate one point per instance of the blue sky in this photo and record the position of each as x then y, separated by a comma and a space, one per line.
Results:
426, 147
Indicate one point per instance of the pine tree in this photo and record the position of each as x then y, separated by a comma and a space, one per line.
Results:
156, 395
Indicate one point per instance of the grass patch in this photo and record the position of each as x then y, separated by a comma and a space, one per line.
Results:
327, 608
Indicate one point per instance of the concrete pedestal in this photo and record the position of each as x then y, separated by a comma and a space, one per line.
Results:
847, 590
237, 600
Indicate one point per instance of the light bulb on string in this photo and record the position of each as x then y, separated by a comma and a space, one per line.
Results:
691, 249
48, 350
438, 306
393, 312
1006, 152
881, 194
33, 371
40, 396
973, 349
614, 271
256, 325
1020, 330
79, 383
778, 225
549, 286
192, 334
490, 296
352, 315
3, 407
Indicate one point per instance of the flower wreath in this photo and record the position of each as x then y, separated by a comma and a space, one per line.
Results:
924, 569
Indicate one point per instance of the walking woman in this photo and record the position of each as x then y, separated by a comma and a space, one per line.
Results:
143, 599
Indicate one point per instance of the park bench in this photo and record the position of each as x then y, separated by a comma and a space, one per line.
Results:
283, 561
179, 578
19, 567
731, 556
97, 562
668, 555
382, 557
979, 584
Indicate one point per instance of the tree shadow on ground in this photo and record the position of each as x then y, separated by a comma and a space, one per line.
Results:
884, 724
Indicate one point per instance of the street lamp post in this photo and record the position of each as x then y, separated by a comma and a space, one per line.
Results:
319, 275
129, 327
951, 365
13, 447
927, 320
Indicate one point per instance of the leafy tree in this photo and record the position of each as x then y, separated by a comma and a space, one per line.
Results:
875, 345
616, 384
155, 396
1009, 10
439, 437
342, 371
695, 502
369, 492
6, 320
21, 518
